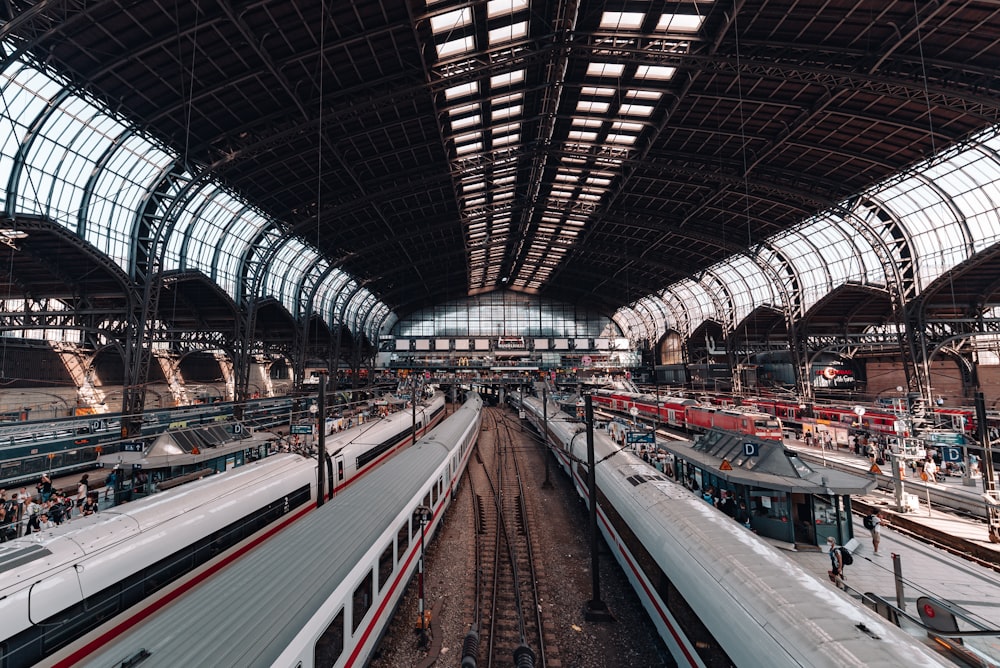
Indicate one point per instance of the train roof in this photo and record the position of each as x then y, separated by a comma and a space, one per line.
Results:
85, 535
255, 607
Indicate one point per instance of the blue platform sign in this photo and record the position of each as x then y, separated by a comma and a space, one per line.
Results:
640, 437
951, 454
751, 449
301, 429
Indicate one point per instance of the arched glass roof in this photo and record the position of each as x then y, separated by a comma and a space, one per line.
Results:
947, 207
65, 158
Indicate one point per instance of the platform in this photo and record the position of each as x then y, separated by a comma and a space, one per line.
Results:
926, 570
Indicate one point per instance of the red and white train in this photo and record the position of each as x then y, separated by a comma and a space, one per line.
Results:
727, 413
690, 415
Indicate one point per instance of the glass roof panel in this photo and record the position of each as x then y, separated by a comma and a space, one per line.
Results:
451, 20
589, 106
936, 234
508, 33
451, 47
506, 79
654, 72
119, 192
605, 69
685, 23
635, 110
461, 90
496, 8
971, 180
622, 20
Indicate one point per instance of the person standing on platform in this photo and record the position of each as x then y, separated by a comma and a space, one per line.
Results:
876, 530
81, 491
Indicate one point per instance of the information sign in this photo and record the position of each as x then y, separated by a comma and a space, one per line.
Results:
751, 449
951, 454
301, 429
640, 437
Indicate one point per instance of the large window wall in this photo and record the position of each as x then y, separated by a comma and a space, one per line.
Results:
503, 314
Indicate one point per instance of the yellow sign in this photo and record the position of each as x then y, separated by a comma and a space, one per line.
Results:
875, 469
725, 465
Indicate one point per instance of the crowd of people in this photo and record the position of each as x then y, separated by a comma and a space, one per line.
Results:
23, 513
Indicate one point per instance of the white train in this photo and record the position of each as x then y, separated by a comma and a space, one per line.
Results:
717, 593
320, 592
57, 585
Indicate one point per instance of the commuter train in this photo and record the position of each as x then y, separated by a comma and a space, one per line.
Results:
62, 583
320, 592
717, 593
689, 415
68, 445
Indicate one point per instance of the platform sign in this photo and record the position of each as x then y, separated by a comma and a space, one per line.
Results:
751, 449
951, 454
640, 437
131, 446
301, 429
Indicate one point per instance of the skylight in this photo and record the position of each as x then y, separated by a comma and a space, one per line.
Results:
496, 8
687, 23
605, 69
451, 20
622, 20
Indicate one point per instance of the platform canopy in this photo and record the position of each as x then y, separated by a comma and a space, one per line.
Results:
772, 465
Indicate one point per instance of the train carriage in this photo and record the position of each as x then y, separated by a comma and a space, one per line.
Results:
319, 593
718, 594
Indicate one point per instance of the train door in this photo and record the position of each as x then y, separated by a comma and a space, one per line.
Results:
339, 466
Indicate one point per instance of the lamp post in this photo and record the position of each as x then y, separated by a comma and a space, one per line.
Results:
545, 435
596, 609
422, 622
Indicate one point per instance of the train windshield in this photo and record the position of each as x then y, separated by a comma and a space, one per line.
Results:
768, 424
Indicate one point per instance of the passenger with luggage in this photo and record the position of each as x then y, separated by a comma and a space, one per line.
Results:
839, 557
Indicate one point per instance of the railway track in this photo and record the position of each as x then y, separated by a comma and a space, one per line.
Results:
505, 615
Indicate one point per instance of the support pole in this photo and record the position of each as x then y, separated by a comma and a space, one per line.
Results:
897, 571
546, 484
597, 610
990, 495
321, 430
422, 621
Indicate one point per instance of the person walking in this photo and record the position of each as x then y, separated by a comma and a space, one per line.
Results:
836, 571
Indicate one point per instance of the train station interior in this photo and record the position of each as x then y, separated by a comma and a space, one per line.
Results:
209, 201
212, 209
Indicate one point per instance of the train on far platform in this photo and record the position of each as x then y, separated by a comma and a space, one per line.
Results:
718, 594
690, 415
795, 417
65, 446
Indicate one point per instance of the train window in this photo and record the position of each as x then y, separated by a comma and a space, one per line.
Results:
385, 565
361, 602
402, 540
433, 494
330, 645
427, 500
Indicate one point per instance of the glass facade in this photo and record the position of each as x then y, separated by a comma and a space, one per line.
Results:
503, 314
